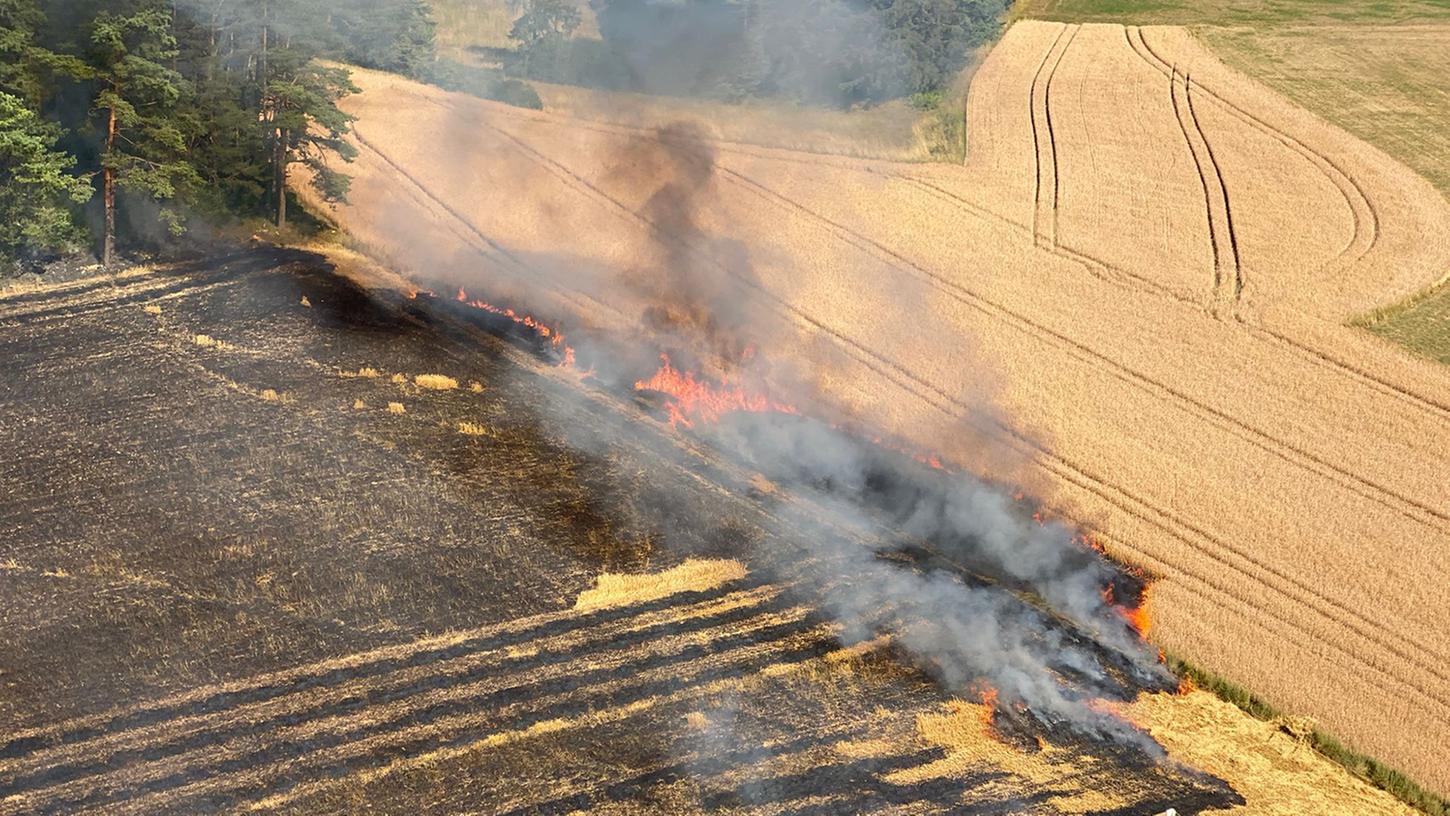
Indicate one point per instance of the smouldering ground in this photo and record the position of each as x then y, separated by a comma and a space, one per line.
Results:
1146, 268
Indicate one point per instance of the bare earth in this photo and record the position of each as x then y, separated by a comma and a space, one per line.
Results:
1144, 271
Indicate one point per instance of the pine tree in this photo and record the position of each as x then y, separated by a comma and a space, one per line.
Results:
27, 70
305, 125
36, 188
143, 141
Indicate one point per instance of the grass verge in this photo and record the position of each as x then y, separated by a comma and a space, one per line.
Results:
1420, 323
1370, 770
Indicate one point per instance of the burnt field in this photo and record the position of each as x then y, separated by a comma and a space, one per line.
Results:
254, 557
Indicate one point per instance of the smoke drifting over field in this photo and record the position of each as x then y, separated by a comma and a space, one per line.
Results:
1035, 620
996, 599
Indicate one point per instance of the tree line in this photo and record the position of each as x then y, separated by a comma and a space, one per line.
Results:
120, 120
837, 52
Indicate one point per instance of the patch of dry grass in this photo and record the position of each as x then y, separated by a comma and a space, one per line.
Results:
207, 341
1279, 774
396, 408
435, 382
473, 429
691, 576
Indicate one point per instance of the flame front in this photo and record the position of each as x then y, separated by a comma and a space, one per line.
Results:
1138, 617
526, 320
987, 713
696, 400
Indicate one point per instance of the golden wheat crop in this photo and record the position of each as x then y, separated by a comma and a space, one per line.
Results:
1143, 271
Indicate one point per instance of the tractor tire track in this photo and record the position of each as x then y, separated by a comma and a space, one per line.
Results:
510, 263
1044, 139
1098, 268
1159, 389
1221, 240
1366, 219
1298, 592
1366, 235
1228, 264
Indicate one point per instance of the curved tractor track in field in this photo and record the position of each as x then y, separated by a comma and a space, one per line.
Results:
1366, 220
1207, 543
1044, 140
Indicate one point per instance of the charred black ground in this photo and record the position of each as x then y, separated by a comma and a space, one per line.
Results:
177, 515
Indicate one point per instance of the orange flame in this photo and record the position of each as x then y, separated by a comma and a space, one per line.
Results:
554, 336
1139, 617
694, 400
987, 713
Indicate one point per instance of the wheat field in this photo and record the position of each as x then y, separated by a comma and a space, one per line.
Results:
1137, 285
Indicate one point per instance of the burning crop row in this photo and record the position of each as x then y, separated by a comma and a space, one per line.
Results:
1038, 556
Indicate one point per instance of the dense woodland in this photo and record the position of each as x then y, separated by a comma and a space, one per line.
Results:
125, 122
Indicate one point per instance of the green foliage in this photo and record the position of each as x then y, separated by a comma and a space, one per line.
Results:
137, 108
936, 36
36, 188
543, 21
943, 130
388, 35
301, 103
28, 70
841, 52
926, 100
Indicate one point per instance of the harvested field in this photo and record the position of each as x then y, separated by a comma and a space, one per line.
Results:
1137, 287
